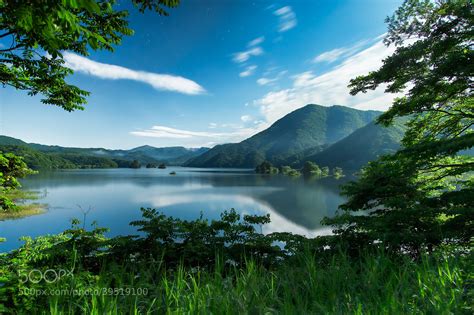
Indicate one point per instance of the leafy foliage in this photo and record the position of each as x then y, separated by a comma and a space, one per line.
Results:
266, 168
135, 164
337, 172
421, 196
12, 167
289, 171
40, 31
224, 267
311, 169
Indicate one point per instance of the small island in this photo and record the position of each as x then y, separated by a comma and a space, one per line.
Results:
309, 169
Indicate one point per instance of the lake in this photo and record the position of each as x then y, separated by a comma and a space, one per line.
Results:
115, 196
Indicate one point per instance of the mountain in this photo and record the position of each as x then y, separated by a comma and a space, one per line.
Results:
312, 127
361, 146
53, 156
175, 155
4, 140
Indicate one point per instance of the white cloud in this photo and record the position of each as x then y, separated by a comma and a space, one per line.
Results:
167, 132
338, 53
106, 71
270, 81
256, 41
196, 138
243, 56
246, 118
330, 88
265, 81
212, 125
287, 18
330, 56
248, 71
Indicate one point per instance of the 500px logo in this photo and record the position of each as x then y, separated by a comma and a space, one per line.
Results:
49, 275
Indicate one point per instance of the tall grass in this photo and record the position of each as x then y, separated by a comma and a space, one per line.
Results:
371, 284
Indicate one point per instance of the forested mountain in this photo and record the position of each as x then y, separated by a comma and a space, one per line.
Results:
172, 155
39, 156
312, 128
38, 160
361, 146
330, 136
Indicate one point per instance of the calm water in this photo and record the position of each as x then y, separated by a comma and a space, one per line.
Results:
116, 195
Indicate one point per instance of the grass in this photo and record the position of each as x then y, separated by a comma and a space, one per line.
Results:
372, 284
24, 206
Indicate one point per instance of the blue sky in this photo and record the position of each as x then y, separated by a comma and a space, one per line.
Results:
212, 72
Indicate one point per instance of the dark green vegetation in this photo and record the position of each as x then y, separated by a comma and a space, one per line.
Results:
226, 267
135, 164
12, 167
288, 171
266, 168
40, 31
423, 195
308, 127
309, 169
363, 145
43, 157
15, 203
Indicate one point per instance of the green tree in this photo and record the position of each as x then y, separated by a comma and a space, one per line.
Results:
12, 167
311, 169
337, 172
135, 164
40, 31
289, 171
324, 171
421, 196
266, 168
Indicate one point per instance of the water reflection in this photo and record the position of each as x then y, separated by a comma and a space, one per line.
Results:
295, 204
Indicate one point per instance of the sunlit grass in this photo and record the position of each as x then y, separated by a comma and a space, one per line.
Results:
373, 284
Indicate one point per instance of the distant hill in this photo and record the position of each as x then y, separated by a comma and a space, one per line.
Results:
361, 146
312, 127
172, 155
4, 140
38, 160
52, 156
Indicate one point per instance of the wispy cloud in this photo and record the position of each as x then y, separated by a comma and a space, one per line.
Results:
196, 138
330, 88
256, 41
270, 81
245, 55
339, 53
246, 118
248, 71
113, 72
265, 81
287, 18
173, 133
